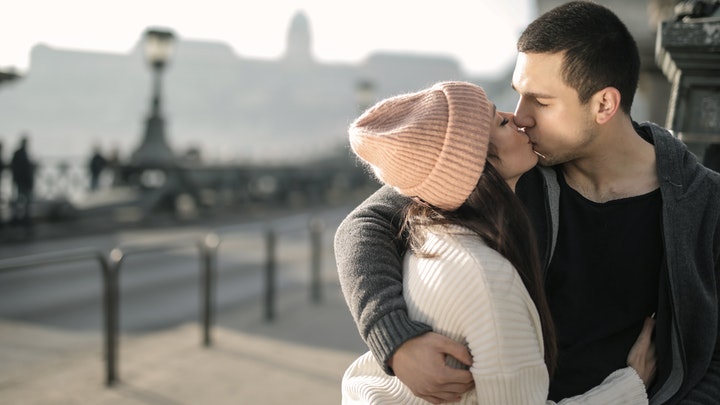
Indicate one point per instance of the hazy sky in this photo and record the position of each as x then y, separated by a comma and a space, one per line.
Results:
480, 34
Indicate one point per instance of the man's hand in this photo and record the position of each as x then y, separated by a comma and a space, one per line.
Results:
420, 364
642, 353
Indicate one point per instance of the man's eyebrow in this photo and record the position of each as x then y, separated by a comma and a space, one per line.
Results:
532, 93
494, 110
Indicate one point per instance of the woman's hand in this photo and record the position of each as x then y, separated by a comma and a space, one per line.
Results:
642, 353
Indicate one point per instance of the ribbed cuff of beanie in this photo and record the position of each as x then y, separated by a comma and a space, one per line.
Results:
391, 331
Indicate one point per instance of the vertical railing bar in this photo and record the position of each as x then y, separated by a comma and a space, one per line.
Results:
112, 314
208, 253
316, 228
270, 270
106, 269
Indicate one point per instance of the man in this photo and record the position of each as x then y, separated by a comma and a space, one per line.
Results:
23, 175
96, 165
628, 224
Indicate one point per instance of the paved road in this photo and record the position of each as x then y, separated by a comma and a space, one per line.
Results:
297, 359
161, 289
51, 347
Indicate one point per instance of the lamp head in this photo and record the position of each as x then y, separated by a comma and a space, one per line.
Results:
158, 46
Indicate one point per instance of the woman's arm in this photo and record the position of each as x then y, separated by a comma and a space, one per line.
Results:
627, 385
503, 332
623, 386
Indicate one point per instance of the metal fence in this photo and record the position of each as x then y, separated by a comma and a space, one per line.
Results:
208, 246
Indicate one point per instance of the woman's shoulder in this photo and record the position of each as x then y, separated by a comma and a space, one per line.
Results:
462, 250
461, 239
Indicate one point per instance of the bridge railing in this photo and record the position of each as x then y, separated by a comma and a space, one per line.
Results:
207, 248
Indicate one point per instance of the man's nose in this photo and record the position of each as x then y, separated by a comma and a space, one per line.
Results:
523, 115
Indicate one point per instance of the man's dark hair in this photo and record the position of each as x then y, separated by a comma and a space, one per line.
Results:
599, 49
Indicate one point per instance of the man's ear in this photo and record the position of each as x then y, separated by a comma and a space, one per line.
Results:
606, 104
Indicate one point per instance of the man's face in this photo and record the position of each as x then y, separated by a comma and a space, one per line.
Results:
549, 110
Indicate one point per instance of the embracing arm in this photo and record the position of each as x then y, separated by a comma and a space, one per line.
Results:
627, 385
504, 334
707, 391
707, 388
369, 264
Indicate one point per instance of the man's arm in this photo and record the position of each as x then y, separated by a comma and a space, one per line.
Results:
368, 254
707, 391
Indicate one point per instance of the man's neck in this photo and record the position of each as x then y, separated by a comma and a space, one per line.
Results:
621, 165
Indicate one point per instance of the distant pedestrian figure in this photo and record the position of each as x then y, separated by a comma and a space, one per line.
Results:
23, 176
2, 173
96, 166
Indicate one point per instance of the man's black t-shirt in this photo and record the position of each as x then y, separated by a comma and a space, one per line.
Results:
601, 284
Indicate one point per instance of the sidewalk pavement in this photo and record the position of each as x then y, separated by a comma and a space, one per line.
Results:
298, 358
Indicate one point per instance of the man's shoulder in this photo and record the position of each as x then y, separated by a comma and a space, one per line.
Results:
677, 166
648, 130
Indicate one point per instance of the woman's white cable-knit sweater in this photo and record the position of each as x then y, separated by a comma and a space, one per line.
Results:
473, 295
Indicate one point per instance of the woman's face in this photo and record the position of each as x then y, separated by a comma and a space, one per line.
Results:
515, 154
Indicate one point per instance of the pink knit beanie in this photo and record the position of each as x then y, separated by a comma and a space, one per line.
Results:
431, 144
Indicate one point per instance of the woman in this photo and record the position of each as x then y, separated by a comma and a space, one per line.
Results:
473, 271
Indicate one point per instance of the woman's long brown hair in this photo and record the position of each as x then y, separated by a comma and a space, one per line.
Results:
496, 215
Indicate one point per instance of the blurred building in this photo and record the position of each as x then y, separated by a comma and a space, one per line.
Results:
224, 105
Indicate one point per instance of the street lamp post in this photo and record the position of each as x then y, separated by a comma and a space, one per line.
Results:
154, 151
